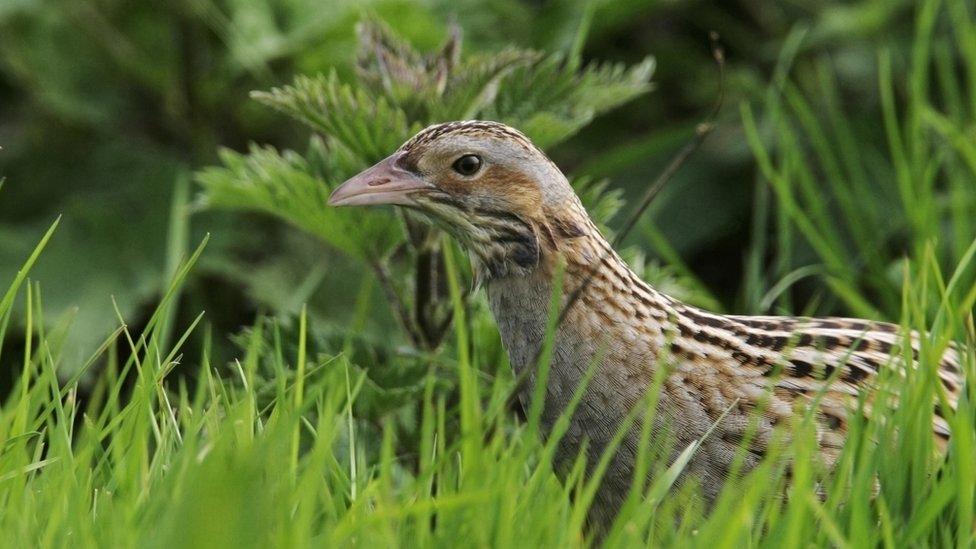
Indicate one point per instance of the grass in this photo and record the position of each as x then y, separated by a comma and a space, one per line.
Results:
157, 441
265, 451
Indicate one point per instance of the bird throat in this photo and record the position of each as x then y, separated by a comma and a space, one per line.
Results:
617, 316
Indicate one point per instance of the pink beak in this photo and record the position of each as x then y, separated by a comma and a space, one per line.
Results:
384, 183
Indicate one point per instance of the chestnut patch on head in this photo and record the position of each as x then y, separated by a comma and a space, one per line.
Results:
509, 188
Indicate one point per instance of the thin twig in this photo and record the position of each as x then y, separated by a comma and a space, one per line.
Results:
386, 283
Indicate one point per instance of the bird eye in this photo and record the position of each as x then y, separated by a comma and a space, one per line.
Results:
468, 164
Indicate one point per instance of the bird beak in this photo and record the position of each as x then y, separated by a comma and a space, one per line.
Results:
384, 183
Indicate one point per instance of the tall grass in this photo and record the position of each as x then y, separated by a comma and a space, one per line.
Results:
264, 452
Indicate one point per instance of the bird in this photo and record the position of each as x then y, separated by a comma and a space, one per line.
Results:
729, 380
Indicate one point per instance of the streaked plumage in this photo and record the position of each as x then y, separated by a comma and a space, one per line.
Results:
519, 217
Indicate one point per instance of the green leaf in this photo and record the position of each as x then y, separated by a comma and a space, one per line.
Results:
367, 125
286, 185
474, 86
550, 100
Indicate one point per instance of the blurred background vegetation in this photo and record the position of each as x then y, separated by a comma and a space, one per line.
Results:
109, 108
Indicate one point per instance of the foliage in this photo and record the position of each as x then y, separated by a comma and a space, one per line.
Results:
842, 164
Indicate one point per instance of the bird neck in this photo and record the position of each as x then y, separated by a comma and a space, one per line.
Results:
616, 313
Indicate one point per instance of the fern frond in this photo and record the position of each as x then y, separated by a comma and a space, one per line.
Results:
550, 100
474, 85
288, 186
408, 79
367, 125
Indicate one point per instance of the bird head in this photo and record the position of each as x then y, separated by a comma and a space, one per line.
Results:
486, 184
